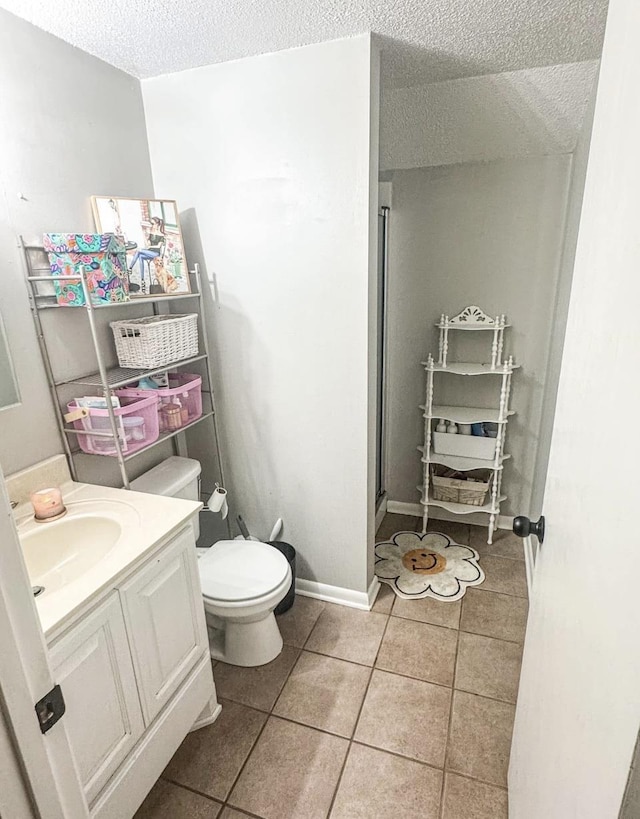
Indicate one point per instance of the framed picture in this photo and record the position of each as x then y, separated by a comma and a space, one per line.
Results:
150, 228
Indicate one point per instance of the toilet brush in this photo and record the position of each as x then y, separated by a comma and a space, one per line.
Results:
246, 535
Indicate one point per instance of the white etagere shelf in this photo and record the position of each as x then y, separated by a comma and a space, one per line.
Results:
472, 318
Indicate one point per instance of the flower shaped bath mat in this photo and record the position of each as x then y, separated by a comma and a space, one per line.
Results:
430, 565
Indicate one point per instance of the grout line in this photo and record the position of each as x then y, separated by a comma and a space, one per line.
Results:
342, 659
403, 674
190, 789
492, 637
357, 720
406, 758
429, 765
241, 810
269, 715
495, 591
475, 779
425, 622
248, 756
448, 740
351, 740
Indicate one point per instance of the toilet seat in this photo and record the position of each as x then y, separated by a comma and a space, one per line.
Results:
235, 571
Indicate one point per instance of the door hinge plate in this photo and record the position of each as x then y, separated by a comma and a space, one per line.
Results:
50, 708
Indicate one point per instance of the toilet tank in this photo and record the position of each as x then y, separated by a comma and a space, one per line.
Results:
175, 478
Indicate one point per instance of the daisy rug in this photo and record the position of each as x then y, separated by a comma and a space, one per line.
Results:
430, 565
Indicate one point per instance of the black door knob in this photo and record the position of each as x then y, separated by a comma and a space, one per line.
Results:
523, 527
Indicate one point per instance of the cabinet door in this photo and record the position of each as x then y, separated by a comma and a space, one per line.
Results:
165, 621
92, 665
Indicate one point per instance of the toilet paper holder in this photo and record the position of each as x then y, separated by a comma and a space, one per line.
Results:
218, 501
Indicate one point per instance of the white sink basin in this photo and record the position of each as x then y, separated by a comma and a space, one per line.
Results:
59, 552
82, 554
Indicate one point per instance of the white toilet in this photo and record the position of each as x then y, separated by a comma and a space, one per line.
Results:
242, 580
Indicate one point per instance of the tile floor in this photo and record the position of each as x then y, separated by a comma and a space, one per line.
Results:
405, 711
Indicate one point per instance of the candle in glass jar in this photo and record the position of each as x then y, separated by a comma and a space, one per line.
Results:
47, 503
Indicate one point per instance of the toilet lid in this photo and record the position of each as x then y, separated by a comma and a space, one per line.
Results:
241, 570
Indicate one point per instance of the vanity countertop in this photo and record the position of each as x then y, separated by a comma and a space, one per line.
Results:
144, 520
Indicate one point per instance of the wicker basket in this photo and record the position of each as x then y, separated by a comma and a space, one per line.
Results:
454, 490
154, 341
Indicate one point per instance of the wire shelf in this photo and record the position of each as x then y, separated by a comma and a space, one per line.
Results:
121, 376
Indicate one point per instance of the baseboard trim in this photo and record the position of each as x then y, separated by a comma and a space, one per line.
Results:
415, 509
339, 595
402, 508
209, 714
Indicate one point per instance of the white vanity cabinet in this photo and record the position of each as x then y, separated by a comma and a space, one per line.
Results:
165, 620
135, 673
103, 719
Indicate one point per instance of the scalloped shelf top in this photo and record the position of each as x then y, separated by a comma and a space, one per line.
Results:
472, 318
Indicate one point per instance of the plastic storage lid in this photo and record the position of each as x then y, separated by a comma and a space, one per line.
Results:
234, 570
169, 477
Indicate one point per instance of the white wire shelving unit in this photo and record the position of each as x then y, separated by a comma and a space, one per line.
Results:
472, 318
105, 379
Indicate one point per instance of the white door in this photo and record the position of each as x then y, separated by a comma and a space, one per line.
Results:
165, 599
49, 769
92, 664
578, 708
14, 791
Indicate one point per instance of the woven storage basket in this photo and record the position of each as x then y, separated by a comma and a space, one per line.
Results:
154, 341
453, 490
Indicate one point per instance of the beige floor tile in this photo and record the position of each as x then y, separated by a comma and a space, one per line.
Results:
505, 543
419, 650
349, 634
210, 759
168, 801
256, 687
458, 532
324, 693
291, 774
488, 667
384, 600
480, 737
467, 799
295, 625
380, 785
494, 615
232, 813
396, 523
504, 575
429, 610
408, 717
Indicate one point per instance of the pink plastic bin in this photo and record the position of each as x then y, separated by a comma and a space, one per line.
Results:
185, 389
137, 420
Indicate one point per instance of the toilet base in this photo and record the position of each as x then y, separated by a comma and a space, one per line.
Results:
244, 644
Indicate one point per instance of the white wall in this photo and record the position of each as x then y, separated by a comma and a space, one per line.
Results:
270, 160
70, 126
489, 234
525, 113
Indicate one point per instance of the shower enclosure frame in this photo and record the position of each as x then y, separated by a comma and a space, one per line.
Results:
381, 340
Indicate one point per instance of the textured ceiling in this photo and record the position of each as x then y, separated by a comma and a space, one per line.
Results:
424, 40
531, 112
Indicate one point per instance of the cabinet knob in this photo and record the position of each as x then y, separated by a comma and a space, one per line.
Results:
523, 527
